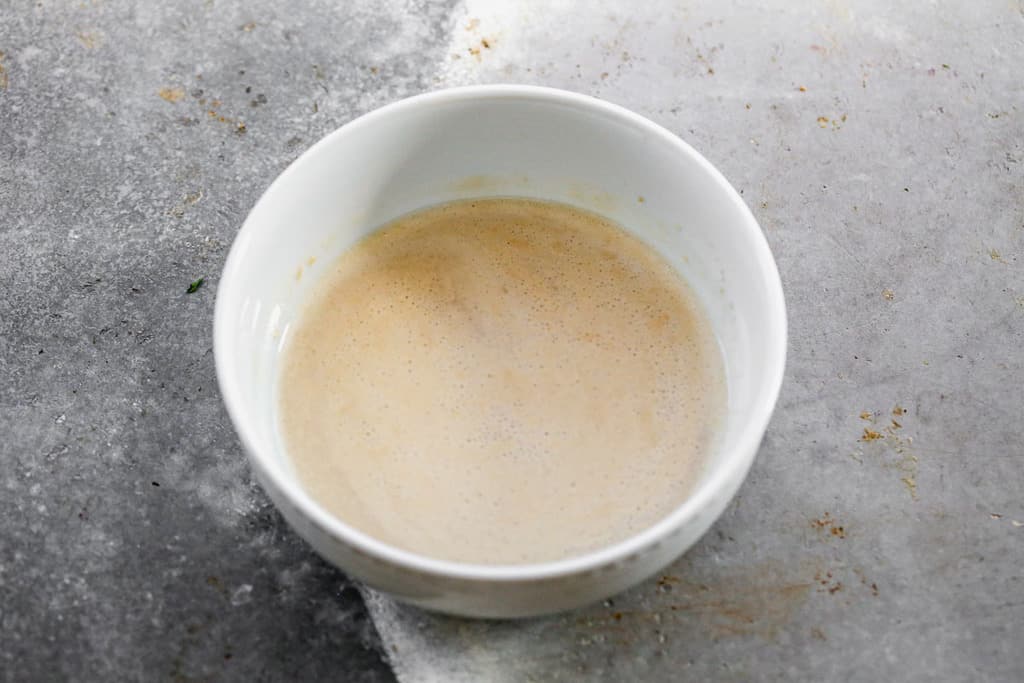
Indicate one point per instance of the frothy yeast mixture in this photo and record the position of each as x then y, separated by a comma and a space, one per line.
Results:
500, 381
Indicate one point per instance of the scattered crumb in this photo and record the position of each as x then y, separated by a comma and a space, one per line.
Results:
818, 634
888, 294
802, 89
995, 515
604, 75
870, 435
747, 105
865, 415
828, 522
473, 23
996, 256
641, 199
311, 260
666, 581
836, 123
172, 94
897, 454
249, 26
88, 39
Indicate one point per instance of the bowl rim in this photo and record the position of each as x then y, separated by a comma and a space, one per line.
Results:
734, 463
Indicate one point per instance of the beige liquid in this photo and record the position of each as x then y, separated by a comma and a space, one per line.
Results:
500, 381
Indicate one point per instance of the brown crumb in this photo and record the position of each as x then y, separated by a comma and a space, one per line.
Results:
172, 95
870, 435
747, 105
865, 415
888, 294
836, 588
823, 121
995, 515
802, 89
486, 44
896, 425
617, 616
838, 531
898, 410
874, 589
249, 27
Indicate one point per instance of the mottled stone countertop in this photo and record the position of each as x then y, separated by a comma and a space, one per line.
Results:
880, 535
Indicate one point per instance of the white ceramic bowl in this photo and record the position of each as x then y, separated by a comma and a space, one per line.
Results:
487, 141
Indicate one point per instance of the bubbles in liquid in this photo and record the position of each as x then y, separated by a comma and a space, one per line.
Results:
500, 381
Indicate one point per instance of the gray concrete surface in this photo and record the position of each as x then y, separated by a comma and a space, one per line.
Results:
880, 535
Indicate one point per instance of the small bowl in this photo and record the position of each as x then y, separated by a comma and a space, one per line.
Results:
500, 140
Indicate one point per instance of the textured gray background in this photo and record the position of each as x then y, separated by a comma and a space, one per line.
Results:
882, 149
